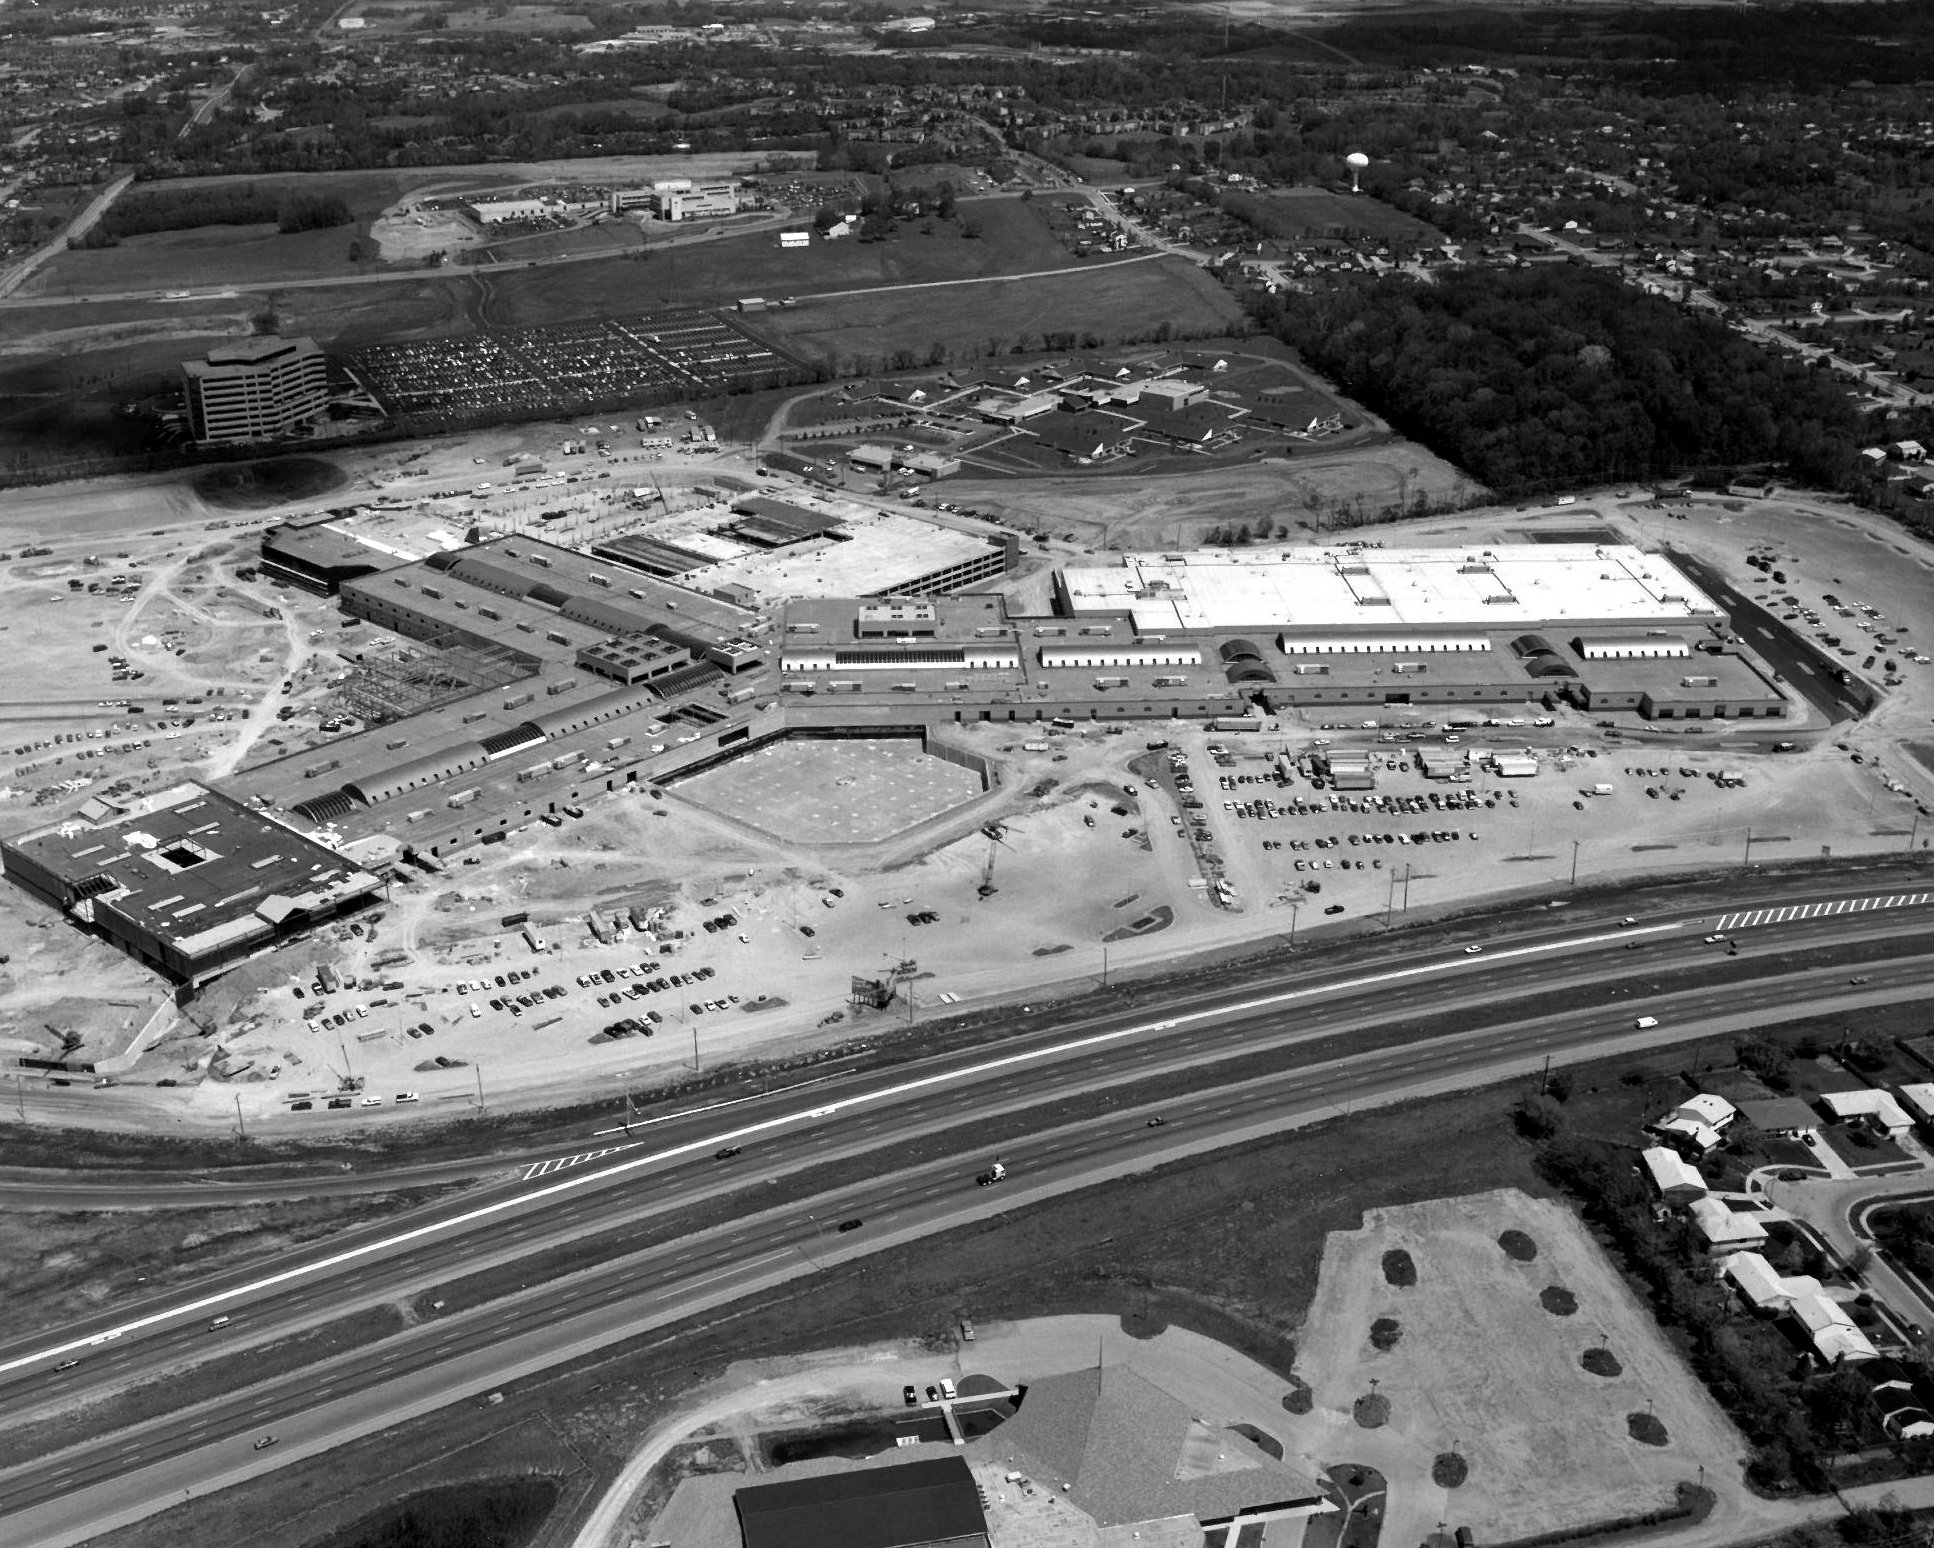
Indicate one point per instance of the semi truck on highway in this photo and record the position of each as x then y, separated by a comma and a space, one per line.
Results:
995, 1173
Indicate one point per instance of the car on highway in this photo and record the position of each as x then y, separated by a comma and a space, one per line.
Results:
1472, 951
1157, 1121
66, 1365
1712, 940
851, 1225
265, 1442
727, 1153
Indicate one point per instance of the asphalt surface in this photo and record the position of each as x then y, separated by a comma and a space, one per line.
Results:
1805, 667
27, 1188
140, 1468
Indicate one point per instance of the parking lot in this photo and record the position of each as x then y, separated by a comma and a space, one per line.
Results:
562, 368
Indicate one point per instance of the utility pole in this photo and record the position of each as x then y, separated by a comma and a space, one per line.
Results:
480, 1095
240, 1126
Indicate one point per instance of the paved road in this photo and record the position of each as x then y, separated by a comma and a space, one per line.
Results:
83, 1490
25, 1188
80, 225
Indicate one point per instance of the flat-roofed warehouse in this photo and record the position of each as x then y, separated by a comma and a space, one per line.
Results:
1349, 591
928, 1504
1600, 626
191, 884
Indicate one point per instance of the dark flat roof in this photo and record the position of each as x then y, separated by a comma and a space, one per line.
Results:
934, 1501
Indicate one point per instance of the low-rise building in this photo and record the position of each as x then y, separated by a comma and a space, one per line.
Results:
1673, 1178
190, 883
1865, 1104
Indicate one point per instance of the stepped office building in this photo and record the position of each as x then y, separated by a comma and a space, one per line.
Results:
256, 389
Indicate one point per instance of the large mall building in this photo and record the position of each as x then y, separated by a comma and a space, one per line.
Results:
505, 681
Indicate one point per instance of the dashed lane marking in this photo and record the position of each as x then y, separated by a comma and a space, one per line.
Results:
1772, 916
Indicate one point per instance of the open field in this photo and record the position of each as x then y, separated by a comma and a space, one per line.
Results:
1301, 212
1114, 303
227, 255
1481, 1368
1013, 239
1136, 507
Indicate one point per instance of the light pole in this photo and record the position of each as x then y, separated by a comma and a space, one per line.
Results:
1295, 908
1104, 959
1574, 862
480, 1095
1749, 846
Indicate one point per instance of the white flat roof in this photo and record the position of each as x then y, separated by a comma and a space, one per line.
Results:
1505, 586
881, 549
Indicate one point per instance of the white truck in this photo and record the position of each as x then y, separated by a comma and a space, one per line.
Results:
995, 1173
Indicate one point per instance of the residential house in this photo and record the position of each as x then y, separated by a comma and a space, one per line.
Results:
1725, 1229
1877, 1108
1698, 1124
1676, 1180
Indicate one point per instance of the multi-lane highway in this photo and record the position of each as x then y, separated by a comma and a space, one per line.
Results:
910, 1139
1341, 1038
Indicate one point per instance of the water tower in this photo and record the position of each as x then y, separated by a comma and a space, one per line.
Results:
1356, 161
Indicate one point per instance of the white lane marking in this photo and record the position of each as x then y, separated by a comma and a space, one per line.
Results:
582, 1179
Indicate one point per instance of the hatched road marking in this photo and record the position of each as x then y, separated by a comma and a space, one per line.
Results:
1771, 916
539, 1169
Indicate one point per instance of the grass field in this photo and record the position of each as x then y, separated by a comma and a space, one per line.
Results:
1119, 303
1013, 240
235, 255
1317, 211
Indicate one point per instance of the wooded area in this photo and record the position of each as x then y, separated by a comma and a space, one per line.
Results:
1537, 378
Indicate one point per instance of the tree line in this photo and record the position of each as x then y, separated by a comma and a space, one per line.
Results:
239, 204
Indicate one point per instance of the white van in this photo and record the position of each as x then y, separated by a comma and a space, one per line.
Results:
1645, 1023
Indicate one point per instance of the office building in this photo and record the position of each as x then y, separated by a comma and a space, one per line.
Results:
255, 390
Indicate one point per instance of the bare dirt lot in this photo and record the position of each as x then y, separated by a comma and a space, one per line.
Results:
1273, 499
1479, 1365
